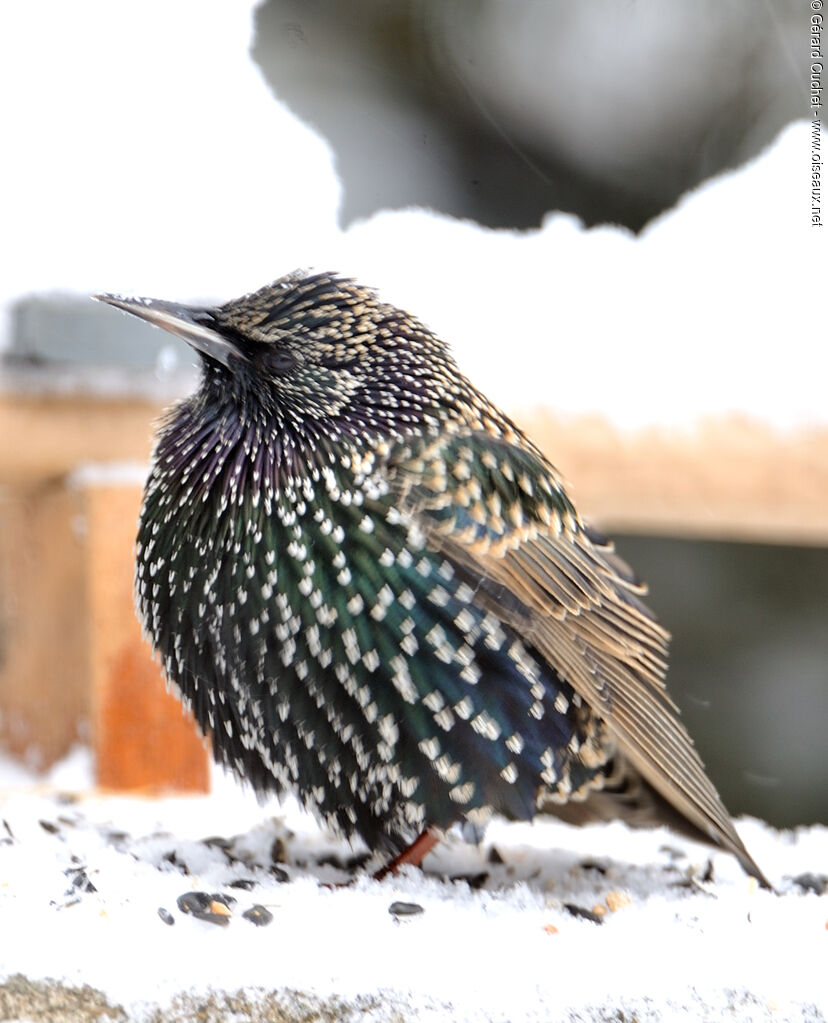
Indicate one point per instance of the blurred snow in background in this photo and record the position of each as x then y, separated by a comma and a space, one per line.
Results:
147, 154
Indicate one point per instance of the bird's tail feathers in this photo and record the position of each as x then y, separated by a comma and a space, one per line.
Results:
627, 796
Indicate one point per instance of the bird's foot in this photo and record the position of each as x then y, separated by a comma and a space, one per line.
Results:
414, 854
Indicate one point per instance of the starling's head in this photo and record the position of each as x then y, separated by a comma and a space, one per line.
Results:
320, 352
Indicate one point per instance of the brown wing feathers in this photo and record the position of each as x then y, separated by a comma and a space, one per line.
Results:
580, 610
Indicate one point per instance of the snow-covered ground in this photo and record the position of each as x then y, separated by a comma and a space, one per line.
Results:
684, 935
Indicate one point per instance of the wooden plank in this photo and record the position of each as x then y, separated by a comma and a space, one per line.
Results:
53, 433
728, 478
75, 666
44, 664
142, 737
731, 479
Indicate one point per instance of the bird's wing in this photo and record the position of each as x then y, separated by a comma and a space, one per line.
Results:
500, 510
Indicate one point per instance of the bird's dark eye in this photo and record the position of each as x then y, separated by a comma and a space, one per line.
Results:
279, 361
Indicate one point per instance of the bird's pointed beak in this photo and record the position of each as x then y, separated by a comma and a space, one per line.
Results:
195, 325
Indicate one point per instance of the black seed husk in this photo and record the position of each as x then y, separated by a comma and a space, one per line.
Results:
247, 884
398, 909
199, 905
582, 913
258, 915
810, 882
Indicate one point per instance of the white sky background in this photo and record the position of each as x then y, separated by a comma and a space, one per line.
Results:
144, 154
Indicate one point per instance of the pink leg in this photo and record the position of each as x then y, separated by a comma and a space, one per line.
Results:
414, 854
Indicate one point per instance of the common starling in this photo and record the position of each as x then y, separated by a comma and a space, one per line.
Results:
373, 591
